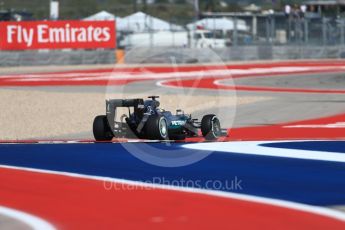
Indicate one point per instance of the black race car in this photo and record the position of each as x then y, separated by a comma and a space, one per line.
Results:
146, 120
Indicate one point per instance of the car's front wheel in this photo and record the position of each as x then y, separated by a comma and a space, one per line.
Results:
156, 128
101, 129
210, 127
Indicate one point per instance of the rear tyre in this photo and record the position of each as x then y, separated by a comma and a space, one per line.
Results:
156, 128
101, 129
210, 127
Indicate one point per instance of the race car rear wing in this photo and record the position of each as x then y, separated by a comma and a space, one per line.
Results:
111, 106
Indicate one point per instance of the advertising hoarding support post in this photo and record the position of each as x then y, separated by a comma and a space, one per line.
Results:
54, 9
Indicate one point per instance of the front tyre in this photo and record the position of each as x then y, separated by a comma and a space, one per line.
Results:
101, 129
210, 127
156, 128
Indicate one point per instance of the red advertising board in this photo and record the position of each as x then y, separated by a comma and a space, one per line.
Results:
57, 35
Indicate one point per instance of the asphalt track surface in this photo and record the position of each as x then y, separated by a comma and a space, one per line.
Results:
283, 184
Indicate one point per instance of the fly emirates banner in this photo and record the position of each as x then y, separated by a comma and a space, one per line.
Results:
57, 35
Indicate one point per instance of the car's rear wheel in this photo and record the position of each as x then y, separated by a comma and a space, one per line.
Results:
101, 129
156, 128
210, 127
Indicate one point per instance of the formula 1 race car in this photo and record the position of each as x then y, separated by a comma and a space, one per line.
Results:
147, 121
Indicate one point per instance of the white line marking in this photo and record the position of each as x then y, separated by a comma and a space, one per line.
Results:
281, 70
268, 201
167, 75
33, 221
254, 148
325, 126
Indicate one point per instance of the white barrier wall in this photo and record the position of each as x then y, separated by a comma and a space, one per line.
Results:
239, 53
165, 55
77, 57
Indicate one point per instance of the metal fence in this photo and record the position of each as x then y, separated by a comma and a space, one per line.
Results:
275, 29
284, 30
305, 31
269, 37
